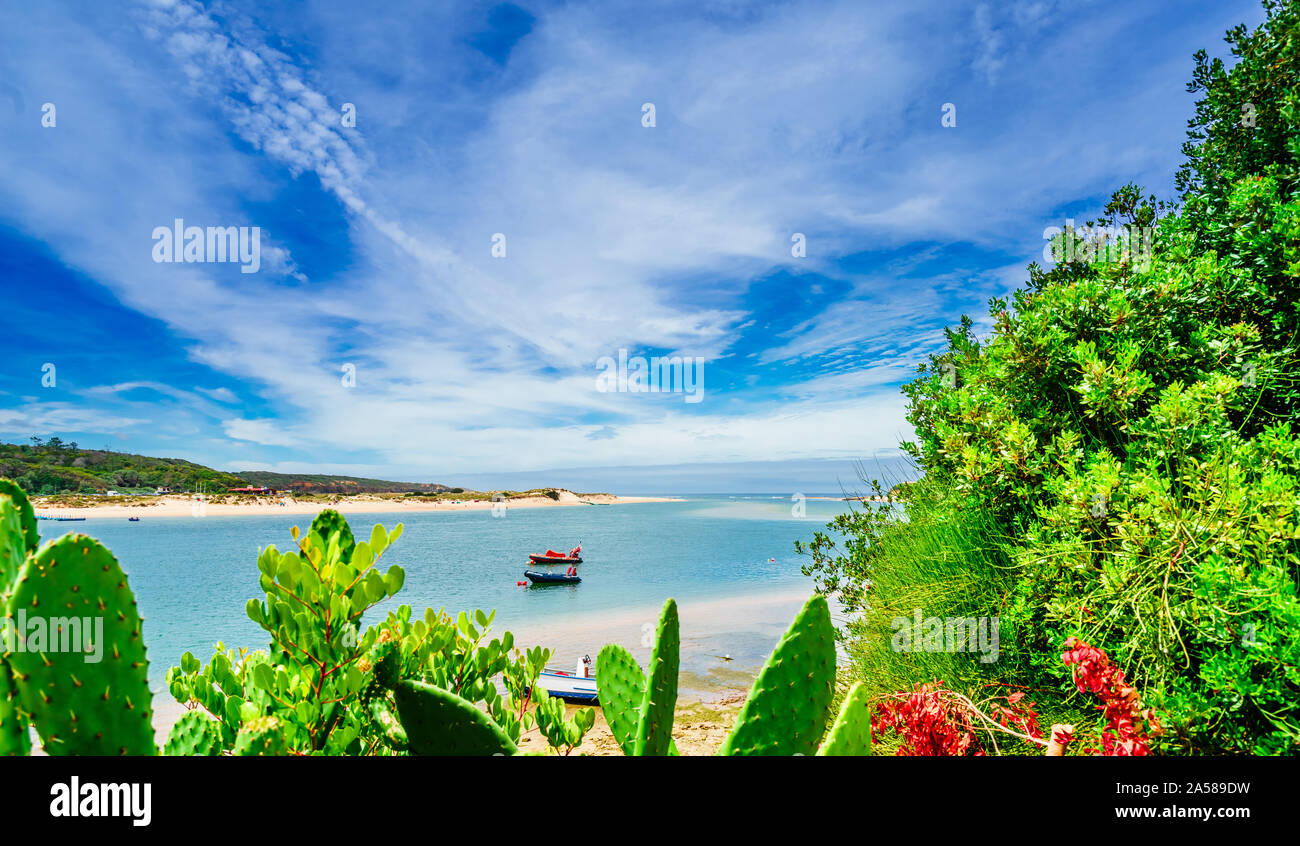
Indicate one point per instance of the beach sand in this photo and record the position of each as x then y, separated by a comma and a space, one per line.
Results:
699, 728
189, 506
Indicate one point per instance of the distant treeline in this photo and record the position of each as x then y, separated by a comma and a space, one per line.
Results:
54, 466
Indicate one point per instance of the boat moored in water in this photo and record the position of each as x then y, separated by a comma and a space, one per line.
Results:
537, 577
553, 557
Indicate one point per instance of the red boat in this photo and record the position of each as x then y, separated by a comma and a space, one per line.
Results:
553, 557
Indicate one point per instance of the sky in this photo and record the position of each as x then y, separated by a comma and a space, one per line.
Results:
462, 209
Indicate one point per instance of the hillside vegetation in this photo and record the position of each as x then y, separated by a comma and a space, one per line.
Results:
53, 466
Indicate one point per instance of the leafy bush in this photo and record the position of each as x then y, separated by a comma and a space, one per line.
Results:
1127, 434
326, 686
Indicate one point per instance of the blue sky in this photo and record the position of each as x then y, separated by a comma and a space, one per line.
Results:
476, 118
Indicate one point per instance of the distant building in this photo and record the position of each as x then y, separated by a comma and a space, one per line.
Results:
252, 490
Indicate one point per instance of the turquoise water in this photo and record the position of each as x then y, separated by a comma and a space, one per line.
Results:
192, 576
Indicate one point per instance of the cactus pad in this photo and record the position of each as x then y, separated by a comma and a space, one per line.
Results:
851, 734
786, 711
654, 731
194, 734
262, 737
80, 705
14, 739
26, 515
16, 518
620, 686
438, 722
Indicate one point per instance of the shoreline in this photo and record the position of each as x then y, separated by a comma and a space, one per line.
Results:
196, 506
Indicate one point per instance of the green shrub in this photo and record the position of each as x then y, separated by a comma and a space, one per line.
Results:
1128, 435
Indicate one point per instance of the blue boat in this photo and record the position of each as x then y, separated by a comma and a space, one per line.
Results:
539, 578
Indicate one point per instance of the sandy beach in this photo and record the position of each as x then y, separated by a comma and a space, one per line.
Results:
212, 506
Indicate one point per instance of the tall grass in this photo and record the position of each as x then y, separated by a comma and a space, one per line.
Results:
945, 562
949, 560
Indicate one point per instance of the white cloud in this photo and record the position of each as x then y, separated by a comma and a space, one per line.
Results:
818, 118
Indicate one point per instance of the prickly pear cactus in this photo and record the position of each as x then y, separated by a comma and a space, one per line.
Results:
787, 707
388, 724
83, 701
14, 739
851, 734
261, 737
194, 734
14, 512
620, 684
329, 523
620, 687
438, 722
31, 534
386, 659
654, 731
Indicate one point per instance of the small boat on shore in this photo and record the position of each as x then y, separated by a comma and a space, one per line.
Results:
537, 577
579, 687
553, 557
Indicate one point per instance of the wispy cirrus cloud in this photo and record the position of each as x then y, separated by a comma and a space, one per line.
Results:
820, 119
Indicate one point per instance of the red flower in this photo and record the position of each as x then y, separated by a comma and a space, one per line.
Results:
1128, 727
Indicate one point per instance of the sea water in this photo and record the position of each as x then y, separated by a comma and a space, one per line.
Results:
730, 563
